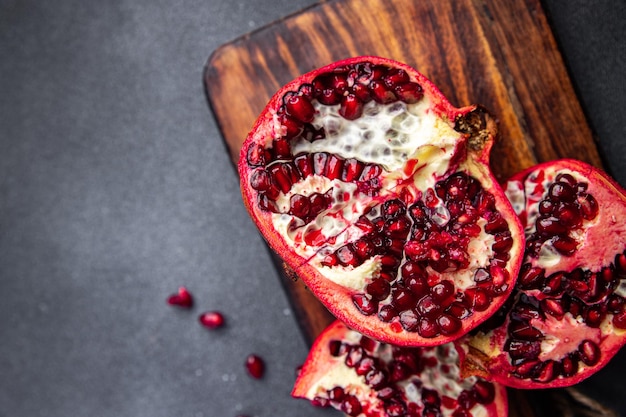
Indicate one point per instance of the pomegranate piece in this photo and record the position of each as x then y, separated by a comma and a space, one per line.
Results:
382, 380
212, 319
565, 320
255, 366
382, 201
182, 298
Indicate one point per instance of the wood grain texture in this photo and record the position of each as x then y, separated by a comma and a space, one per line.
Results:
498, 53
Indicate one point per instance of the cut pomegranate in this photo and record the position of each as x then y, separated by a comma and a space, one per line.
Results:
182, 298
565, 319
362, 377
212, 319
378, 194
255, 366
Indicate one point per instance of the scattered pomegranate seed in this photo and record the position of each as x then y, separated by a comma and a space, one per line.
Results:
255, 366
211, 319
181, 299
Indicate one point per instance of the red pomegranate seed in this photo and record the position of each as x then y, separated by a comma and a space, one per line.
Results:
334, 167
299, 107
182, 299
351, 107
588, 206
255, 366
351, 406
448, 324
365, 305
484, 391
212, 319
319, 163
281, 148
304, 165
548, 371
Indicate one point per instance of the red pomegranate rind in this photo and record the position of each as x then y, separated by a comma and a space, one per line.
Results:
565, 320
377, 192
362, 377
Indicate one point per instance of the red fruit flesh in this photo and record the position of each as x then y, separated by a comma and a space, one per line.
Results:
361, 377
382, 201
565, 319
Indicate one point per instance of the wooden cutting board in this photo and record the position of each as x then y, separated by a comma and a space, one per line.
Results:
498, 53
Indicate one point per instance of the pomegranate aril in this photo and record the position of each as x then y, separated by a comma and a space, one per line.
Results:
442, 290
448, 324
370, 172
569, 365
565, 245
387, 313
281, 177
589, 352
334, 167
594, 316
427, 328
560, 191
292, 127
381, 93
527, 369
336, 394
478, 299
260, 180
257, 155
281, 148
376, 378
409, 320
365, 365
352, 169
351, 107
484, 392
212, 319
320, 402
299, 206
182, 298
299, 107
409, 93
588, 206
379, 289
523, 349
531, 276
355, 354
346, 256
255, 366
304, 164
365, 304
319, 163
554, 307
351, 406
402, 298
524, 331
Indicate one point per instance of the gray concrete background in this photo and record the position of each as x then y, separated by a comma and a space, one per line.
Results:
115, 189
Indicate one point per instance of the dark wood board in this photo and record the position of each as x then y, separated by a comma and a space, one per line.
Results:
498, 53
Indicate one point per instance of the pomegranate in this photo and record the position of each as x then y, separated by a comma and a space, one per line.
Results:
377, 192
567, 316
362, 377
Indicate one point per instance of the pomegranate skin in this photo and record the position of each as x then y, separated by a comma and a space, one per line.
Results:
570, 303
341, 361
352, 303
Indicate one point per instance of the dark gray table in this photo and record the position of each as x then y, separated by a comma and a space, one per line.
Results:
115, 189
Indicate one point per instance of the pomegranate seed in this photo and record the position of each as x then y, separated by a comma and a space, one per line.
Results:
365, 365
442, 290
565, 245
430, 398
260, 180
523, 349
448, 324
292, 127
212, 319
351, 406
484, 392
299, 107
335, 347
257, 155
553, 307
619, 320
402, 298
387, 313
427, 328
524, 331
255, 366
395, 409
376, 378
409, 320
334, 167
364, 304
380, 93
531, 277
336, 394
549, 371
320, 402
351, 107
304, 165
588, 206
346, 256
409, 93
319, 163
181, 299
281, 177
566, 178
466, 399
379, 289
281, 148
569, 365
299, 206
560, 191
527, 369
352, 169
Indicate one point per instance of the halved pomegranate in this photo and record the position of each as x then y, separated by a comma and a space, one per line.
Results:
362, 377
377, 192
567, 316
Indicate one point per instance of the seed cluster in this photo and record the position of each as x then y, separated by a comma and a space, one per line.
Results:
408, 381
581, 294
418, 245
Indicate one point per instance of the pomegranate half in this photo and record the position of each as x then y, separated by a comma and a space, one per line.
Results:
362, 377
377, 192
567, 316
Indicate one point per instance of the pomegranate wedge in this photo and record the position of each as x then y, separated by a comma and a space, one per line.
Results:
361, 377
567, 316
377, 192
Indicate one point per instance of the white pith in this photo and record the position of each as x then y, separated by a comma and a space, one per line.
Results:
414, 146
444, 377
